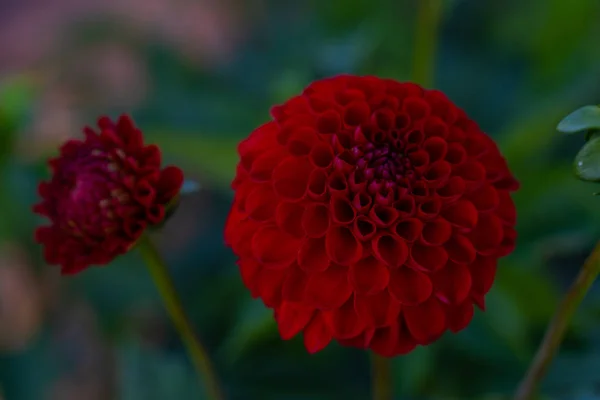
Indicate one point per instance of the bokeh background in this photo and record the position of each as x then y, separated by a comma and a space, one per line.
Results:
200, 75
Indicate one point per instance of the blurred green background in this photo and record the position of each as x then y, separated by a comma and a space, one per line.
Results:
200, 75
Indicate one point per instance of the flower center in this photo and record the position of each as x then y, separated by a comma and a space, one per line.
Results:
94, 195
383, 162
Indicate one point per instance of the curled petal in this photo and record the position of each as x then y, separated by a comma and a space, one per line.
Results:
312, 256
393, 340
292, 318
378, 309
458, 317
329, 289
342, 246
428, 258
390, 249
461, 214
315, 220
369, 276
317, 334
426, 321
291, 176
409, 286
452, 283
344, 322
272, 256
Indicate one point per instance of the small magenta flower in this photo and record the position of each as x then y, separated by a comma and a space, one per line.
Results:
370, 212
105, 190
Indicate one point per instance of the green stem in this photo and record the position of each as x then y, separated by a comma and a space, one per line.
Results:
162, 279
426, 33
382, 378
558, 327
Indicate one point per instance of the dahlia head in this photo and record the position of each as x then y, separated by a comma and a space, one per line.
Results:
370, 212
105, 191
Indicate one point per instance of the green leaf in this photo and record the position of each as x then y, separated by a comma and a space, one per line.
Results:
585, 118
587, 161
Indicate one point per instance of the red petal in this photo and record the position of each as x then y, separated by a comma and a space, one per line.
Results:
316, 334
294, 285
437, 174
390, 249
410, 229
268, 286
289, 218
261, 203
317, 185
430, 208
291, 176
262, 167
436, 147
369, 276
462, 214
506, 208
436, 232
315, 220
329, 289
169, 184
472, 172
428, 258
452, 283
312, 256
361, 341
456, 153
485, 198
460, 249
426, 322
377, 310
452, 190
302, 141
409, 286
344, 321
364, 229
249, 269
508, 242
459, 317
356, 113
274, 248
342, 247
329, 122
342, 211
483, 272
488, 234
292, 318
383, 216
393, 340
321, 155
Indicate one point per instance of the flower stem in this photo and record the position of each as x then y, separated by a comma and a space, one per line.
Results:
382, 378
164, 283
557, 328
426, 33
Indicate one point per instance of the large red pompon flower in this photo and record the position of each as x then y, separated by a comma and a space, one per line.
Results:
104, 191
370, 212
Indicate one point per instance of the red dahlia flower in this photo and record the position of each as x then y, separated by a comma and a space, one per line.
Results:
105, 190
371, 212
